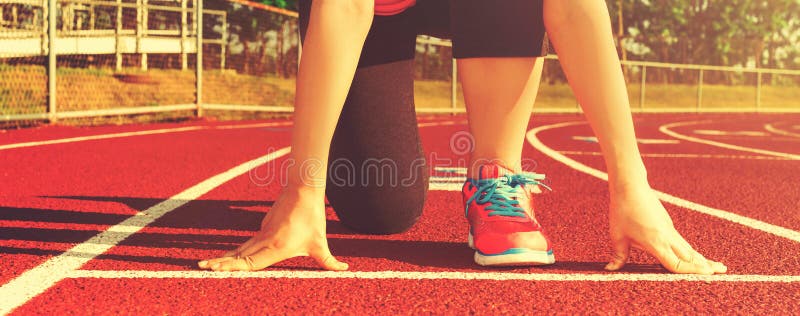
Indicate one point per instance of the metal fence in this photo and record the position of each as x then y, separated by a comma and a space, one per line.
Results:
69, 59
655, 87
85, 59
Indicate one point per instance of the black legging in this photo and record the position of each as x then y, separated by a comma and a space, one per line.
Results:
378, 177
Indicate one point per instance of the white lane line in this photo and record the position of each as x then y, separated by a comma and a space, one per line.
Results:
772, 129
455, 170
588, 139
253, 125
457, 183
37, 280
666, 130
102, 136
441, 123
729, 133
597, 153
445, 186
441, 275
644, 141
725, 215
457, 179
137, 133
656, 141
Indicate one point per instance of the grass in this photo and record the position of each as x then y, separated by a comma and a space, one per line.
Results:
228, 87
23, 89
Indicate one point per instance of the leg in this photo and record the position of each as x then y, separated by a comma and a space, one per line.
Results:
500, 78
378, 128
295, 226
499, 93
499, 73
581, 34
378, 136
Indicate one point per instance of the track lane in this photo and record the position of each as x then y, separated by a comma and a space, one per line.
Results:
399, 296
57, 196
736, 134
574, 214
576, 208
42, 135
762, 189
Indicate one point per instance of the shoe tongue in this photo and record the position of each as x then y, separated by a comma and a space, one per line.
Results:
493, 171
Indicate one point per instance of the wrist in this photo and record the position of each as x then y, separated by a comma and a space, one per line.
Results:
305, 191
301, 201
306, 179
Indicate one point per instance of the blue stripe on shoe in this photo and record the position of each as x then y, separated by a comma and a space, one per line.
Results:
513, 251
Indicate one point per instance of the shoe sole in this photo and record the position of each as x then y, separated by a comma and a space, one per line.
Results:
520, 257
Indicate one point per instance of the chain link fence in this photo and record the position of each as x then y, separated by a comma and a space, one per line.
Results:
90, 61
129, 60
23, 76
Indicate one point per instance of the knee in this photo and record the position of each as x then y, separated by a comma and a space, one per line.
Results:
378, 210
382, 220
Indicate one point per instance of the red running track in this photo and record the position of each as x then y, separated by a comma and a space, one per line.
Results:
54, 197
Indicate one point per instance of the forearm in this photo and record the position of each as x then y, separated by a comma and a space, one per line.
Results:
336, 33
581, 34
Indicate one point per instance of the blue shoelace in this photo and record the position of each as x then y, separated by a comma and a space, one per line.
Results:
500, 193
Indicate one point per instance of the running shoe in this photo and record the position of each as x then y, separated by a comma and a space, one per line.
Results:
502, 225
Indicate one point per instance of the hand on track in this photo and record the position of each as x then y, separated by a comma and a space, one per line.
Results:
292, 228
637, 219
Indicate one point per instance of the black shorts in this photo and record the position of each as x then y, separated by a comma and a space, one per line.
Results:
503, 28
506, 28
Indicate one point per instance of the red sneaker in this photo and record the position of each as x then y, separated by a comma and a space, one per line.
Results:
502, 227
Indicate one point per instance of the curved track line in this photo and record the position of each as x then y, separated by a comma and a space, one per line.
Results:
666, 130
671, 199
37, 280
448, 275
138, 133
772, 129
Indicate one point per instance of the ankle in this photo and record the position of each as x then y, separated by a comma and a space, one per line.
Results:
475, 164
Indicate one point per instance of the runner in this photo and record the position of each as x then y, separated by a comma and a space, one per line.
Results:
500, 76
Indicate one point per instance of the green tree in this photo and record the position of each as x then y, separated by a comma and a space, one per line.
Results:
751, 33
250, 27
